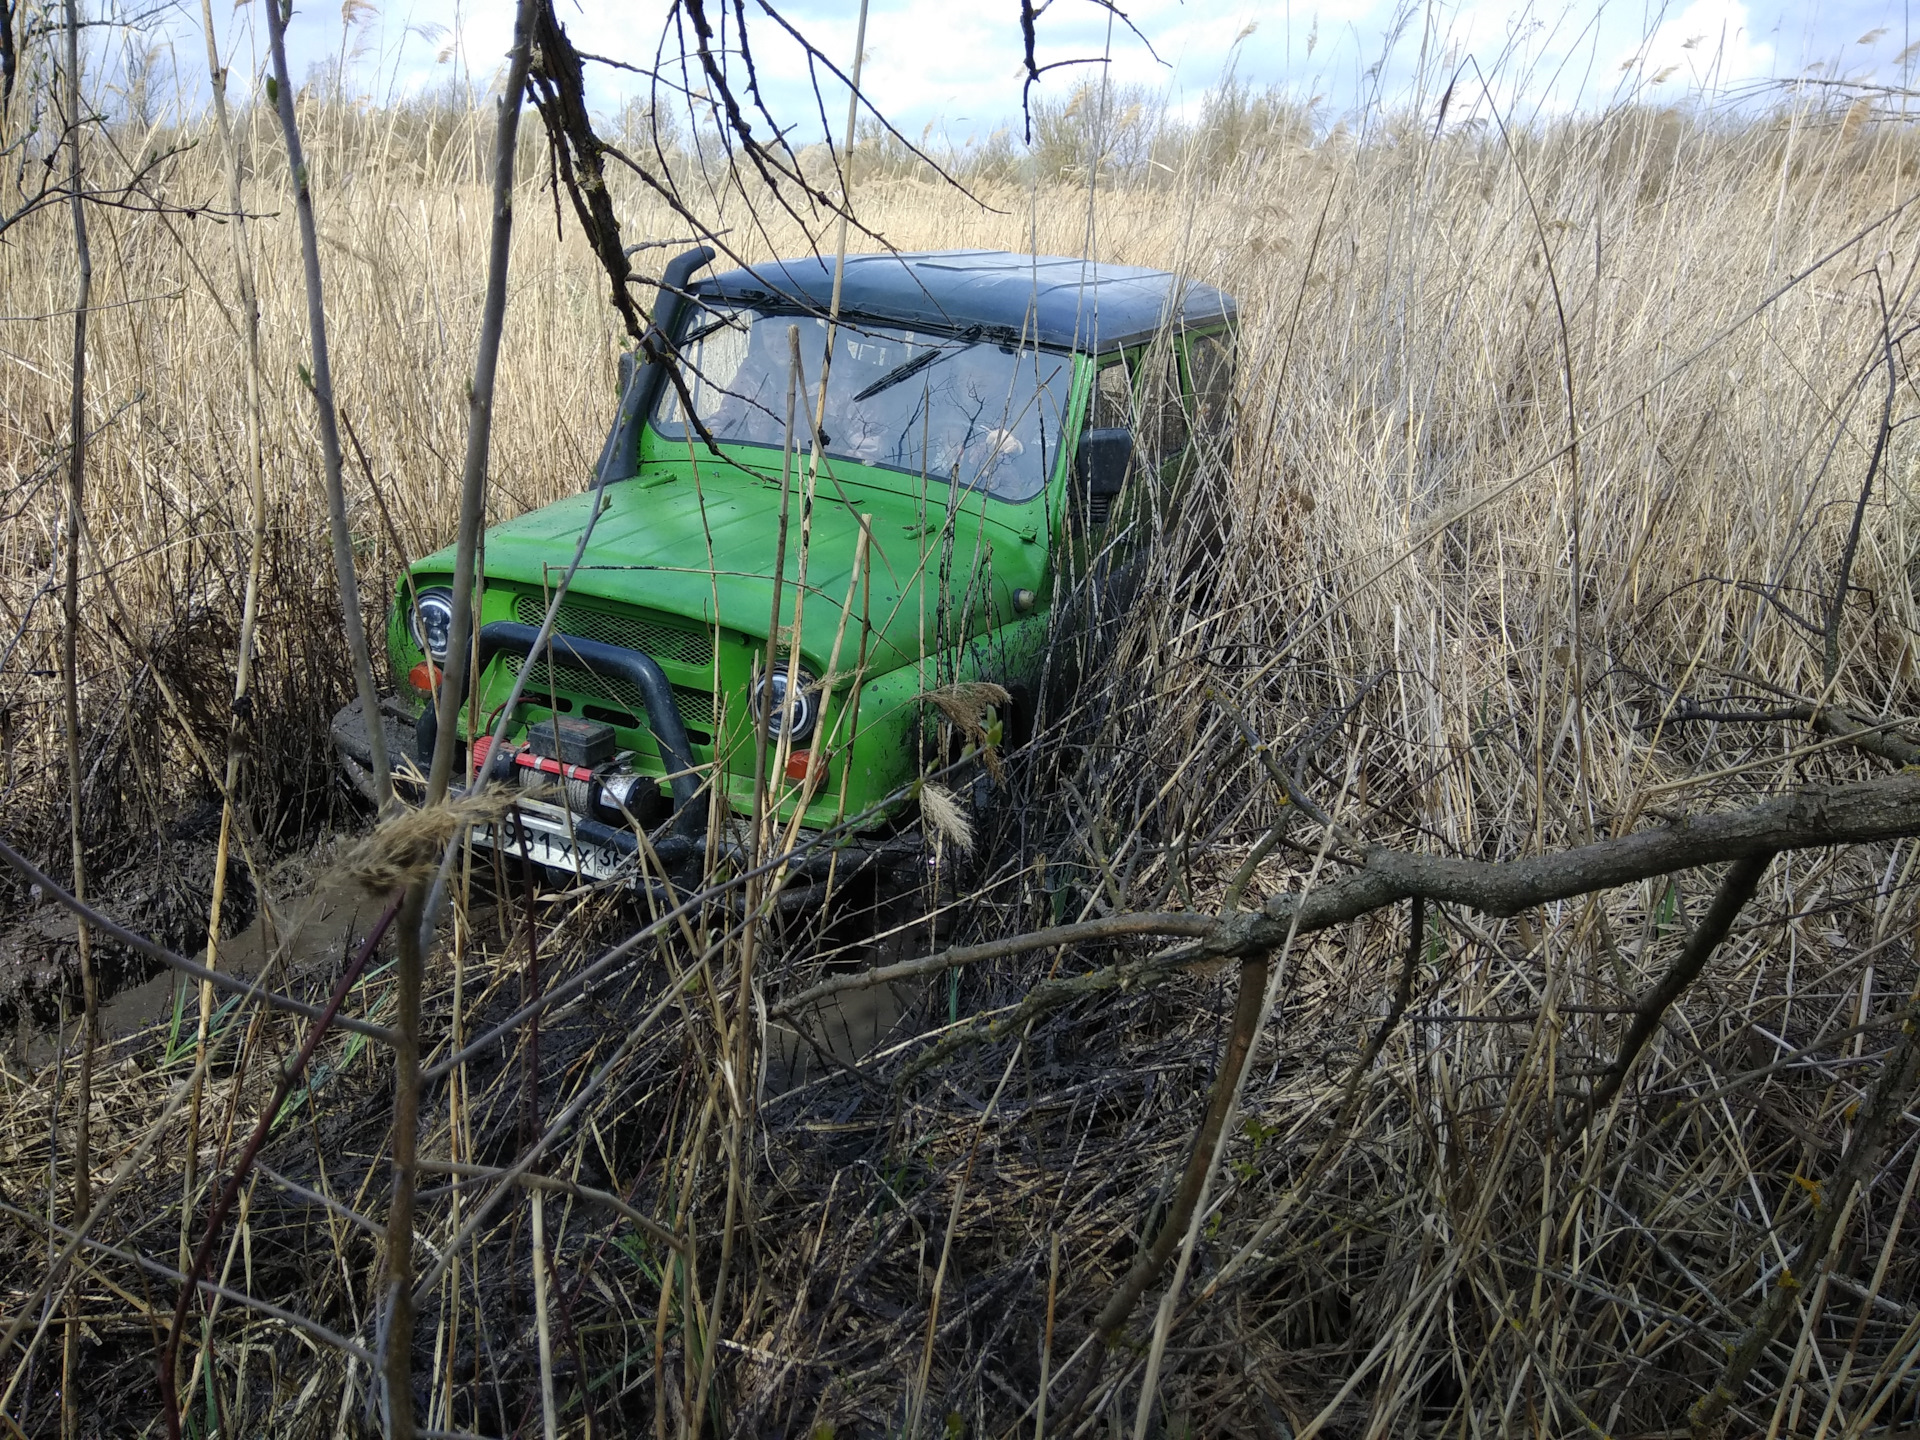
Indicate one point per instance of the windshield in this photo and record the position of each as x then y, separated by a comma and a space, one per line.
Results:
974, 412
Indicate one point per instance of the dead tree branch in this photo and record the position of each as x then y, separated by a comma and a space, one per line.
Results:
1841, 724
1030, 13
1115, 927
557, 86
9, 50
70, 689
1813, 818
534, 1180
411, 965
452, 688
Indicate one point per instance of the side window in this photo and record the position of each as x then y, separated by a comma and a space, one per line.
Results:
1210, 369
1112, 398
1160, 432
1111, 409
1143, 397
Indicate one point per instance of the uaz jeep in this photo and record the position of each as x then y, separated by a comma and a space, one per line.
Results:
993, 426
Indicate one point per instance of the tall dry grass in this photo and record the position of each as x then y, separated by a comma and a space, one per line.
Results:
1535, 437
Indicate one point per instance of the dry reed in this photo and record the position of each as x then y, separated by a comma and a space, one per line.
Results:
1537, 434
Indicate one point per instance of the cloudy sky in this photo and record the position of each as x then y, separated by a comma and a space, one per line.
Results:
954, 65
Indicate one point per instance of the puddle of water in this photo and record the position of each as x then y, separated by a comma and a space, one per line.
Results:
320, 926
844, 1029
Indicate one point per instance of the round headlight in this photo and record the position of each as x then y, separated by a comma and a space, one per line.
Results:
431, 620
783, 710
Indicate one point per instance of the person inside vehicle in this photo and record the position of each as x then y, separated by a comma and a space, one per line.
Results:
971, 454
753, 408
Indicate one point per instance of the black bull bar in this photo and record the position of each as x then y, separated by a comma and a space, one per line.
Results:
850, 854
509, 637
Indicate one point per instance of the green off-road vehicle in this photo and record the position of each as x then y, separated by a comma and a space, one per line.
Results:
996, 430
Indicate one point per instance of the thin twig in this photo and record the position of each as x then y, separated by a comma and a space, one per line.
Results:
1742, 879
70, 689
1837, 603
320, 383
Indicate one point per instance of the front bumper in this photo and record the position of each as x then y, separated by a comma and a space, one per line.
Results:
557, 839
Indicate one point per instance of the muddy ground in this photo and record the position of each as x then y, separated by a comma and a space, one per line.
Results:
314, 917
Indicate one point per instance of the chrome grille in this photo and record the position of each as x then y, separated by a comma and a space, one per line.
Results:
548, 680
631, 632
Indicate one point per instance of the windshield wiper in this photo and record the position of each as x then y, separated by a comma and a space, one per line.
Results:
908, 368
902, 371
705, 330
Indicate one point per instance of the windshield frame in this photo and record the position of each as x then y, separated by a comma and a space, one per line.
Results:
1051, 400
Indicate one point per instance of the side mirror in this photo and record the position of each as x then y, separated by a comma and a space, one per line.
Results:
1102, 461
1100, 467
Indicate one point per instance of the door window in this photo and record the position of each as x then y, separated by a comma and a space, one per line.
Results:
1144, 397
1160, 429
1112, 398
1210, 367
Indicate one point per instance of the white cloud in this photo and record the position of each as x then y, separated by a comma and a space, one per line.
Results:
1708, 45
957, 64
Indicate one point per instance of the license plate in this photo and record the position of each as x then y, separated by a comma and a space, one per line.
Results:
547, 843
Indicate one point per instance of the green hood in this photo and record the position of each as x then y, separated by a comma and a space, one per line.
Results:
706, 552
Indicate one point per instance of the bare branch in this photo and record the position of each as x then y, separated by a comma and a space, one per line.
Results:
69, 662
167, 1272
1874, 810
320, 382
1827, 719
1084, 932
533, 1180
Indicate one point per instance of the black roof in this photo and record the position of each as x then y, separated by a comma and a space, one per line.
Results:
1051, 299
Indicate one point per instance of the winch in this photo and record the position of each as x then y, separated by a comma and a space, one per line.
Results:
579, 759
